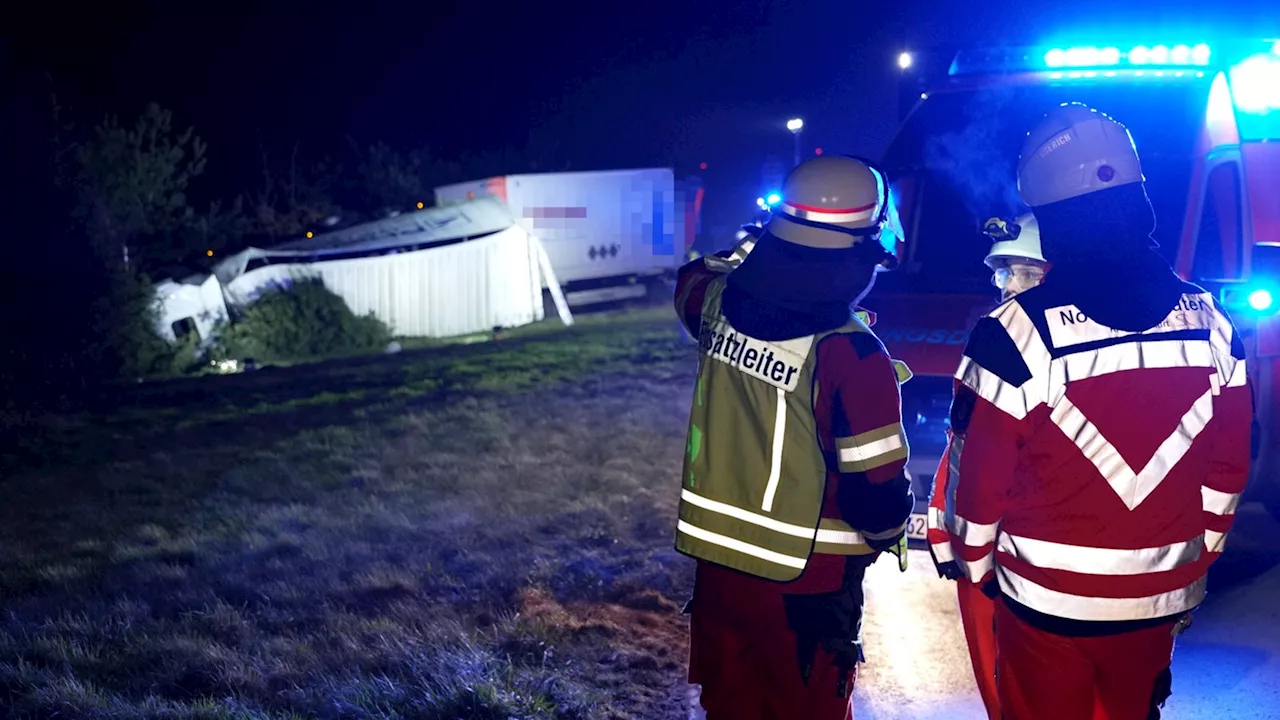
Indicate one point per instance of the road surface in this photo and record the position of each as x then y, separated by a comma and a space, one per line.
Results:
1227, 665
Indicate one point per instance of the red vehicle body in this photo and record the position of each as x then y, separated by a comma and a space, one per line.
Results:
1208, 134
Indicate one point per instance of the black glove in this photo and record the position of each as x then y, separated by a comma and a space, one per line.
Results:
949, 569
831, 620
991, 589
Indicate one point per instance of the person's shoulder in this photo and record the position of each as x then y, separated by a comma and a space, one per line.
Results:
853, 341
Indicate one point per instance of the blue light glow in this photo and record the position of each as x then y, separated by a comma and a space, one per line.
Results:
1256, 82
1090, 56
773, 199
1261, 300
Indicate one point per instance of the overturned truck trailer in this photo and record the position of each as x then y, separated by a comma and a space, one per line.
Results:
611, 235
438, 272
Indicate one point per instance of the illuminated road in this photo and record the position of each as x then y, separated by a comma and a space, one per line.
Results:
1227, 665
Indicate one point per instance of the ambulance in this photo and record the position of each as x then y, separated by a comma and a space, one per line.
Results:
1205, 116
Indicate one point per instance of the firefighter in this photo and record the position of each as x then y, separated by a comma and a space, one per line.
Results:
1015, 258
794, 480
1017, 264
1101, 429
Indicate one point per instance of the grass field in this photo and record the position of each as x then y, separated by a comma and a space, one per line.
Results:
466, 531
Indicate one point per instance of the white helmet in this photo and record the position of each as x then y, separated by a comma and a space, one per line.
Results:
1076, 150
1019, 240
834, 202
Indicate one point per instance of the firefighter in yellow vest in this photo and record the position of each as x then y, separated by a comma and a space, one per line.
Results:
794, 475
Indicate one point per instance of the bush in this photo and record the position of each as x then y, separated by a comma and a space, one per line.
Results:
301, 320
123, 341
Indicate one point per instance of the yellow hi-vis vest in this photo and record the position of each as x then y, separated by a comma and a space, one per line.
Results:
754, 473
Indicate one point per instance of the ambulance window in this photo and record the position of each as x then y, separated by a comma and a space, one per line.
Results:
1219, 240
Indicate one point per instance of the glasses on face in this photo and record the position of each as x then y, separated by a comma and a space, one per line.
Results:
1018, 277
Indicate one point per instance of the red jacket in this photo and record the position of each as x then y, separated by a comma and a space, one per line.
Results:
857, 392
1094, 472
938, 537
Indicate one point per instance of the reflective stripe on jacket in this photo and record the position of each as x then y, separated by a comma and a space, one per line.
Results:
1095, 472
751, 425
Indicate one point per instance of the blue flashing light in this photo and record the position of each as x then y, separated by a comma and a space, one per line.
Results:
1256, 84
1257, 299
1088, 56
1260, 300
773, 199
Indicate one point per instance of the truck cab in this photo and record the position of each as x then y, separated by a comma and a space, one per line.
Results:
1205, 118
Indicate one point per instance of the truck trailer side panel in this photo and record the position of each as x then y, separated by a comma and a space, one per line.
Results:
599, 228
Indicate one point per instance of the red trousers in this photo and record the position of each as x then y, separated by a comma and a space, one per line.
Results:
1042, 676
977, 614
754, 675
744, 654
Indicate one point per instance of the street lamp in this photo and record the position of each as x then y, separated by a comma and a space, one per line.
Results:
795, 125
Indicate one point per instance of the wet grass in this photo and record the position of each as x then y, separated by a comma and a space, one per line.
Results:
466, 531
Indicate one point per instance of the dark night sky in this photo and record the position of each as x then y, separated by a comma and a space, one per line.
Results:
587, 84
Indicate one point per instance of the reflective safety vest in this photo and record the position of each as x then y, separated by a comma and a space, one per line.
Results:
751, 426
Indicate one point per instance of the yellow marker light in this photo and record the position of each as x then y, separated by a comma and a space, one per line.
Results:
208, 253
310, 234
420, 206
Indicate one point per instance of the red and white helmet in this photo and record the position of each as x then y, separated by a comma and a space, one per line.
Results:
834, 202
1074, 151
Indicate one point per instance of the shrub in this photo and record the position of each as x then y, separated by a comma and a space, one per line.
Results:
123, 341
301, 320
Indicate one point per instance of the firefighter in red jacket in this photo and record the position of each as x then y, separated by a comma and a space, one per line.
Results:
1017, 264
794, 475
1101, 432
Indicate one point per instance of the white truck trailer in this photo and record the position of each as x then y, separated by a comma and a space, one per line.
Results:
610, 235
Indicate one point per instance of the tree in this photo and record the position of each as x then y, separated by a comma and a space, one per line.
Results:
217, 228
293, 199
393, 180
128, 187
489, 163
131, 183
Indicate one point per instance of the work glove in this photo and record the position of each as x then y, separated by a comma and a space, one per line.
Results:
991, 589
949, 570
895, 544
900, 549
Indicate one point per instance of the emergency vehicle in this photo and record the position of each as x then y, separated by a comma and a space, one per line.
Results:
1205, 117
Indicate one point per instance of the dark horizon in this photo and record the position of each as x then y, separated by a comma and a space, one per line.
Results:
576, 86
